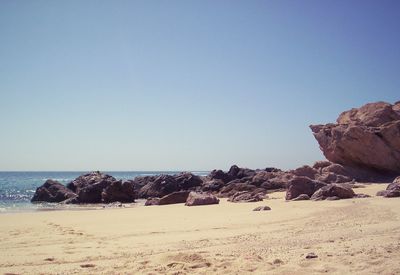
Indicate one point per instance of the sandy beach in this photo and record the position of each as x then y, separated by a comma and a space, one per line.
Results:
358, 236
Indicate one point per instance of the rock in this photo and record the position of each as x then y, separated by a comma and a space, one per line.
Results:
161, 185
301, 197
371, 114
91, 186
165, 184
52, 191
262, 208
392, 193
332, 178
272, 169
86, 180
302, 185
234, 187
270, 180
281, 180
201, 199
381, 193
213, 185
340, 191
245, 196
139, 182
305, 171
237, 173
321, 164
119, 191
152, 201
219, 175
392, 190
311, 255
174, 197
366, 138
187, 181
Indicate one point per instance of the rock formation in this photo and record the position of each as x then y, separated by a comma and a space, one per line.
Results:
367, 139
52, 191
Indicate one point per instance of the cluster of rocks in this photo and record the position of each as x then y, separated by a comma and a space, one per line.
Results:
94, 187
363, 146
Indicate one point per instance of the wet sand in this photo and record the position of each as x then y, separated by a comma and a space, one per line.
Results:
357, 236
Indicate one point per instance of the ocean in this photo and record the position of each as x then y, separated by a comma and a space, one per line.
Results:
17, 188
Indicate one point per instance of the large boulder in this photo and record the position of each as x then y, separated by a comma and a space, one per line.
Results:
89, 179
201, 199
89, 187
302, 185
52, 191
365, 138
334, 191
118, 191
159, 187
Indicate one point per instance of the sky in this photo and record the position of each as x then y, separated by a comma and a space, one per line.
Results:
186, 85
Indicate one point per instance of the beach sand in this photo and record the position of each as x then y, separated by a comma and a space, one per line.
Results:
354, 236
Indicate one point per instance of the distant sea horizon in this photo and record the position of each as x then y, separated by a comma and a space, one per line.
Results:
18, 187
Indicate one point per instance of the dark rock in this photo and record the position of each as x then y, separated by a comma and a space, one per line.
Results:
174, 197
392, 193
213, 185
272, 169
341, 191
392, 190
237, 173
88, 179
262, 208
187, 181
219, 175
201, 199
382, 193
161, 186
165, 184
234, 187
119, 191
321, 164
302, 185
52, 191
139, 182
332, 178
305, 171
245, 196
301, 197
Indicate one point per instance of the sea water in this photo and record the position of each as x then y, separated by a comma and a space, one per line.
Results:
17, 188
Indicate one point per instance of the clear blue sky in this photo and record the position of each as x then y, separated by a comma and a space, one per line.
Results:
186, 85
